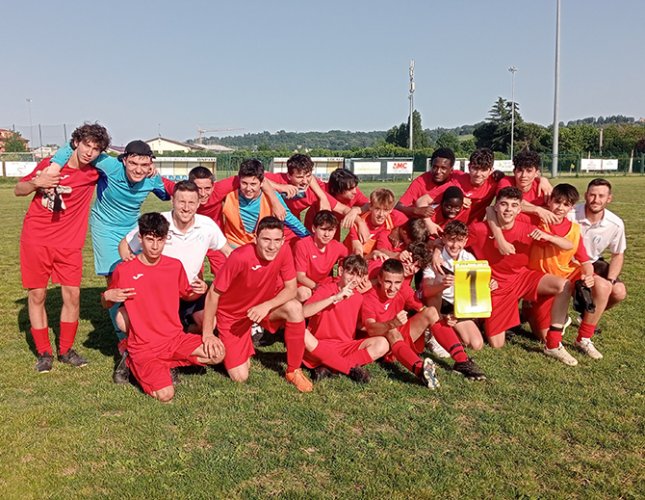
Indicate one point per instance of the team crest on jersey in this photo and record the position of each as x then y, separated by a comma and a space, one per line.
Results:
386, 306
137, 276
255, 268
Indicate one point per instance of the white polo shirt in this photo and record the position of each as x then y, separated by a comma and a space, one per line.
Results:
449, 293
190, 247
609, 233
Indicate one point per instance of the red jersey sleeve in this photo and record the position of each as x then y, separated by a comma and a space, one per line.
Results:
168, 185
368, 311
411, 301
183, 285
398, 218
414, 192
383, 242
301, 256
231, 268
360, 199
224, 187
323, 290
115, 281
507, 181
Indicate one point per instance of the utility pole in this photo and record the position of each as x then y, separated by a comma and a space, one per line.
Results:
411, 97
513, 70
556, 121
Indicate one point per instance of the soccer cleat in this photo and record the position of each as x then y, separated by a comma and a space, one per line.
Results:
586, 346
44, 362
299, 380
436, 348
257, 333
321, 372
469, 369
429, 374
359, 374
71, 357
174, 376
121, 374
561, 354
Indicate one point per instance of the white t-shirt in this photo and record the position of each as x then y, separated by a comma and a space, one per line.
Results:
190, 247
449, 293
609, 233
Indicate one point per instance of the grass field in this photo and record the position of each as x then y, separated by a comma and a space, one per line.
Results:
536, 428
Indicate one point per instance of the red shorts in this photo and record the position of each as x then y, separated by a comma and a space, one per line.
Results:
153, 373
505, 300
417, 346
39, 263
539, 312
343, 348
235, 334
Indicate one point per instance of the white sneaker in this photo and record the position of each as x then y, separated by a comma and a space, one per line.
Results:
566, 324
561, 354
586, 346
436, 348
429, 374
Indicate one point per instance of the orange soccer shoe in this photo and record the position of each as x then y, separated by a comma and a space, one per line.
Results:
300, 381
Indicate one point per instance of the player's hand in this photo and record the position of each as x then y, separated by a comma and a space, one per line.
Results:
588, 280
378, 255
278, 210
119, 294
547, 216
539, 235
505, 248
345, 293
422, 212
434, 229
544, 188
448, 280
450, 319
46, 179
401, 318
493, 285
405, 256
213, 346
437, 263
467, 203
199, 286
258, 313
289, 190
350, 218
152, 171
364, 285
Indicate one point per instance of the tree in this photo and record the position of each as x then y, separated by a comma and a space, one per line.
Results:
400, 135
495, 132
448, 140
15, 144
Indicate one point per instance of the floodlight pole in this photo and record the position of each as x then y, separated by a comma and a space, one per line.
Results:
411, 97
556, 121
513, 70
31, 125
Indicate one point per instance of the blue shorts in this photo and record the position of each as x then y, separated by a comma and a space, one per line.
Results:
105, 243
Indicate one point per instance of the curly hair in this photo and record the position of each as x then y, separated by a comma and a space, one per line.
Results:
301, 163
91, 132
446, 153
526, 159
481, 159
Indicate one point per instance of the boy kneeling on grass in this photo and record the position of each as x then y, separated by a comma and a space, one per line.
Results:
150, 287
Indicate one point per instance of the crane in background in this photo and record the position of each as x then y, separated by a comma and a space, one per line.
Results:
202, 131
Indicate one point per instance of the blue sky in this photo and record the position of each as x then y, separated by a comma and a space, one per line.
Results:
143, 67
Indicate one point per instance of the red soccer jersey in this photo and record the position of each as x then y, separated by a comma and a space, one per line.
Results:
504, 268
398, 219
441, 221
246, 281
383, 309
315, 263
531, 196
357, 201
425, 185
337, 321
154, 310
68, 228
213, 206
302, 200
480, 197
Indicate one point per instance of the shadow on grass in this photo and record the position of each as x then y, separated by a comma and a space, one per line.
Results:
101, 336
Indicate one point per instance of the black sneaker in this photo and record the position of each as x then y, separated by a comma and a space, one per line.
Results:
174, 376
44, 363
470, 370
71, 357
121, 373
359, 374
321, 372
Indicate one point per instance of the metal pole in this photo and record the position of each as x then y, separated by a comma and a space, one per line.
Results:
556, 123
411, 127
513, 70
31, 125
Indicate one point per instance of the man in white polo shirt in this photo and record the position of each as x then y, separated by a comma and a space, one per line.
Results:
603, 230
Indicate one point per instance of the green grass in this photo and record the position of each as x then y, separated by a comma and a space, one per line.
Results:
536, 428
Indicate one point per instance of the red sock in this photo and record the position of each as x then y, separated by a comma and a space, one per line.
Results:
585, 331
122, 345
407, 357
448, 339
359, 358
67, 336
328, 356
553, 337
41, 340
294, 339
